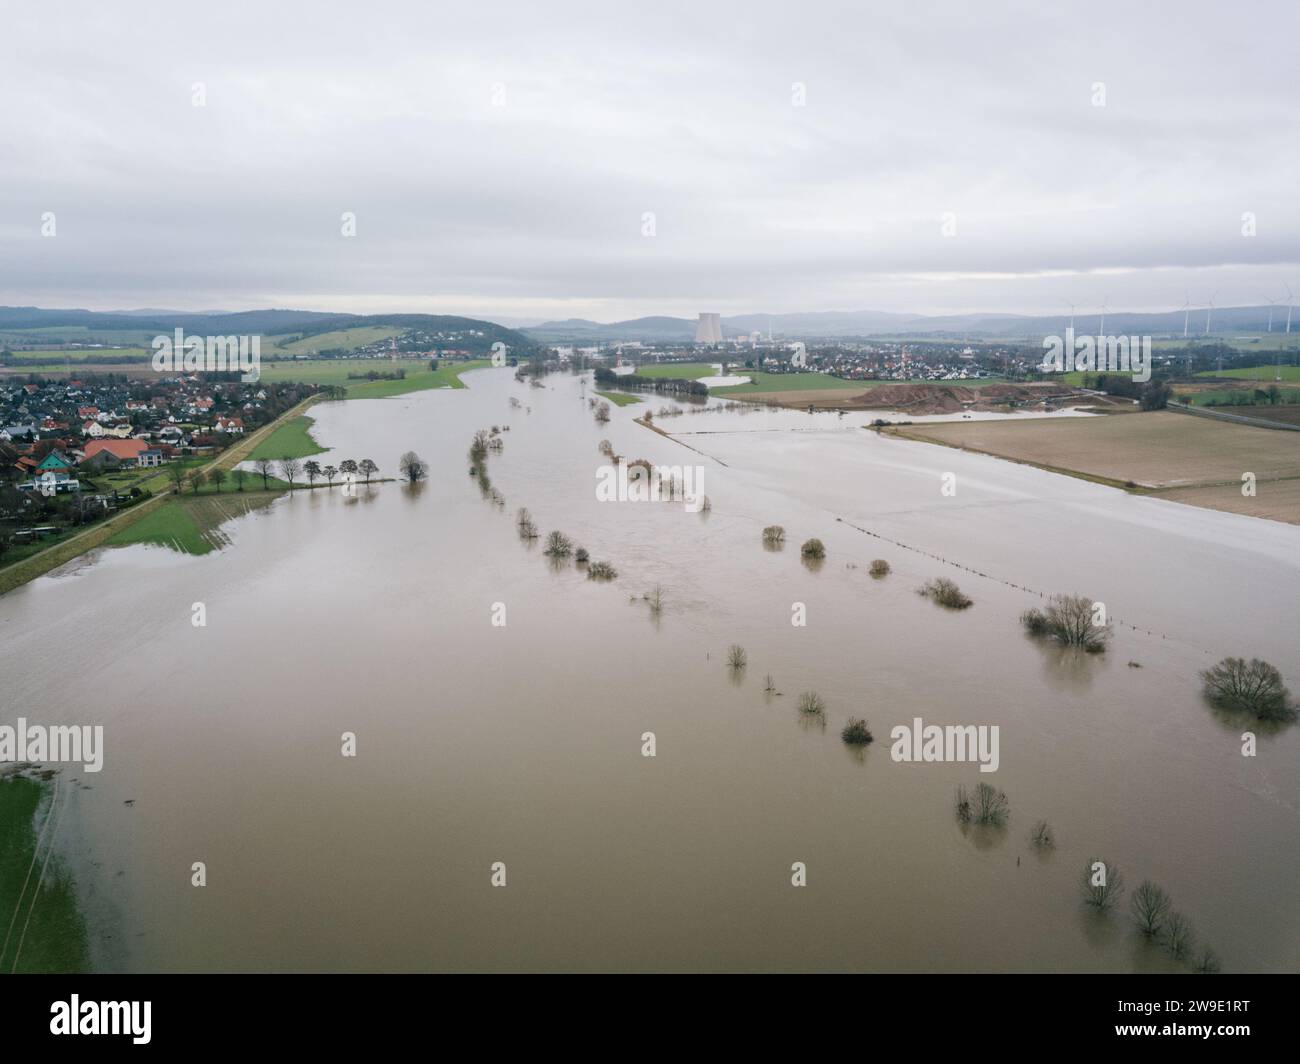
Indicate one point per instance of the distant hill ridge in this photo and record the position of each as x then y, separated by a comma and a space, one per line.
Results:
242, 323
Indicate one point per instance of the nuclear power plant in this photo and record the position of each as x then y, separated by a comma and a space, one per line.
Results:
709, 329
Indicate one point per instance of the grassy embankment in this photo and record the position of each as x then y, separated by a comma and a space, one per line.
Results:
46, 923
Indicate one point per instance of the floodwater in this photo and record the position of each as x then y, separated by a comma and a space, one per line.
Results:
522, 744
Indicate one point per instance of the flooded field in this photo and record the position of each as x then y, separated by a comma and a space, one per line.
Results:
522, 743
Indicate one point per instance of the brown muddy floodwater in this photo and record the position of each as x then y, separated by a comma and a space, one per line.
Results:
522, 744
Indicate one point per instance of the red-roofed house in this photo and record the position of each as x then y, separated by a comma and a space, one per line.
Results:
111, 453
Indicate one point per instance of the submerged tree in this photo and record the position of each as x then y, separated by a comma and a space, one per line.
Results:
1254, 687
412, 467
990, 805
1102, 884
773, 536
736, 656
879, 567
1177, 935
1150, 907
1072, 620
558, 545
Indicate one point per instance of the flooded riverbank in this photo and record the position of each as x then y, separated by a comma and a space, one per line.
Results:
522, 743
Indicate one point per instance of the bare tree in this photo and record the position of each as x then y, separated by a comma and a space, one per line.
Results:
1102, 884
367, 468
329, 471
1178, 935
218, 477
238, 475
1150, 907
312, 468
736, 656
290, 468
265, 467
1072, 620
990, 805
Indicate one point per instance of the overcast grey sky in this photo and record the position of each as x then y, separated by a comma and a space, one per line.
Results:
500, 156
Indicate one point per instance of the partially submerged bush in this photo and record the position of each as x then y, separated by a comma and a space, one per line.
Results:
1072, 620
1102, 884
581, 556
811, 704
856, 732
1042, 835
946, 593
814, 549
1254, 687
879, 567
773, 536
736, 656
989, 805
601, 571
965, 811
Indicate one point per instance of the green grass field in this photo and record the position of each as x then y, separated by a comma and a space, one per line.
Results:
619, 398
54, 939
340, 339
192, 524
1263, 374
689, 371
292, 440
335, 371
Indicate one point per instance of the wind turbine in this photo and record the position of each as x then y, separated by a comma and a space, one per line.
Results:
1210, 310
1187, 313
1290, 299
1103, 315
1270, 303
1071, 306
